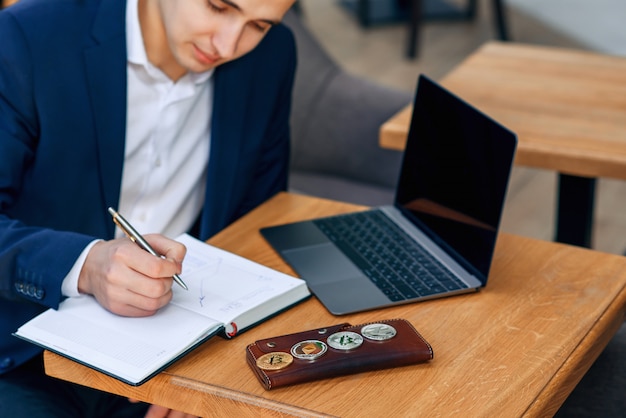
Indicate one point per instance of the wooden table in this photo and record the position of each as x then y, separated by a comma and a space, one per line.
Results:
516, 348
567, 107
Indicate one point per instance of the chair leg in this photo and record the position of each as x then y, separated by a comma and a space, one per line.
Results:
415, 19
471, 9
416, 15
500, 20
363, 12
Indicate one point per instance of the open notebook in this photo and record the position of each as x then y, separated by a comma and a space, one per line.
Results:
227, 294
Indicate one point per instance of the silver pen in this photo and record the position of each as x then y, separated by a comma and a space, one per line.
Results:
139, 240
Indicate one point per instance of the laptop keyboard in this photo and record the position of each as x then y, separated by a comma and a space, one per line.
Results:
394, 262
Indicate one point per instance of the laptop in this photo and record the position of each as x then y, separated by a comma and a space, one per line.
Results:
438, 237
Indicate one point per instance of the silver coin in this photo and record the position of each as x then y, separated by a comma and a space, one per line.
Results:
378, 332
308, 349
345, 340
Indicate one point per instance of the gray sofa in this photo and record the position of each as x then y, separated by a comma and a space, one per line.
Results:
334, 127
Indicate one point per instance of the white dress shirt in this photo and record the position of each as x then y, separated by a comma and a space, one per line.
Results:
167, 147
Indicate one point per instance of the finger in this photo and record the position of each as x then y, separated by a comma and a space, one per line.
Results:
156, 411
134, 270
132, 304
145, 263
170, 249
179, 414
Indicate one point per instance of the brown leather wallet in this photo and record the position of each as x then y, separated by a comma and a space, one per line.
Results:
336, 350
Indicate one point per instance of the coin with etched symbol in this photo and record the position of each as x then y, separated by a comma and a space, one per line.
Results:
308, 349
378, 332
345, 340
274, 361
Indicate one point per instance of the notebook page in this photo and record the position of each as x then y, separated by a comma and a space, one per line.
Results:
130, 348
225, 286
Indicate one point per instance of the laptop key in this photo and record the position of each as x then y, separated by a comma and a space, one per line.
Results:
386, 256
406, 291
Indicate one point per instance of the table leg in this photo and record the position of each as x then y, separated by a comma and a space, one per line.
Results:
574, 217
415, 19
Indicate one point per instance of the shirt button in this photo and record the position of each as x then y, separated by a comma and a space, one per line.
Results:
5, 363
157, 163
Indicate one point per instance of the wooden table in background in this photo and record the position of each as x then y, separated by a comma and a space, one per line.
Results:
516, 348
567, 107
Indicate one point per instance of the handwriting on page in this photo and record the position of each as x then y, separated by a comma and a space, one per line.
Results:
225, 286
211, 291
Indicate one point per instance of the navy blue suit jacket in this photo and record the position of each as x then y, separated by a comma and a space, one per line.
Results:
62, 134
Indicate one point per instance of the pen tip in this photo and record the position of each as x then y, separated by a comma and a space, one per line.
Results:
112, 211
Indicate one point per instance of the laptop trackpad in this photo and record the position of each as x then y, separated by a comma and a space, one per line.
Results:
322, 263
336, 282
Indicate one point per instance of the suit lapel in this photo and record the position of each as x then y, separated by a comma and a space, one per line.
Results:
105, 64
230, 105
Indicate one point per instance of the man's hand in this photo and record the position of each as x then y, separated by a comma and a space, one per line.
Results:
129, 281
156, 411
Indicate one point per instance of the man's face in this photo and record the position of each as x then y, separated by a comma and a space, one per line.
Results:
203, 34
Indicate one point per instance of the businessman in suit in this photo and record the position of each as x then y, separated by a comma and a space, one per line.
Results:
173, 111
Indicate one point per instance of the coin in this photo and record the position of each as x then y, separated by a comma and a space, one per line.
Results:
274, 361
345, 340
308, 349
378, 332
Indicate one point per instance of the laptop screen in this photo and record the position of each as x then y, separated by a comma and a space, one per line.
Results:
454, 175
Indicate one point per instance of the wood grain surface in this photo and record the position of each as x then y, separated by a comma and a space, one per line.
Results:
568, 107
516, 348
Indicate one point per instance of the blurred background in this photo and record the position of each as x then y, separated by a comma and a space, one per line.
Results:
376, 49
371, 44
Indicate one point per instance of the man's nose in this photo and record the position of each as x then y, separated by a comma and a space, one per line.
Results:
227, 40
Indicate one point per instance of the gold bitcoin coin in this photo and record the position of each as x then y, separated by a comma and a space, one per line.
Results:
274, 361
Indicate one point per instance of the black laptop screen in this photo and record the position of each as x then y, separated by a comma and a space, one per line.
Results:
455, 173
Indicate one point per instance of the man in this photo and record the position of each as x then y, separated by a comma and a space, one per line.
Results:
175, 112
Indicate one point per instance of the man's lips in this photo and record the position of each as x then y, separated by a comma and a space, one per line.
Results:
204, 57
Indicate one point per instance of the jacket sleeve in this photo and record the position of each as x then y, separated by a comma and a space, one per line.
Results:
33, 260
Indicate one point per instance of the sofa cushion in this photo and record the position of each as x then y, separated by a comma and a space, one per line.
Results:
339, 188
336, 117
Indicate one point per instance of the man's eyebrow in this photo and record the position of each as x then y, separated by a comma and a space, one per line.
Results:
235, 6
